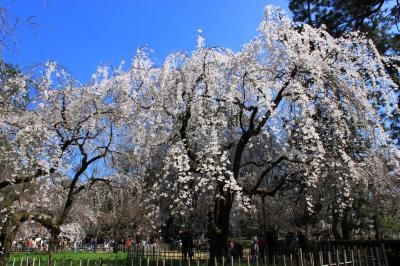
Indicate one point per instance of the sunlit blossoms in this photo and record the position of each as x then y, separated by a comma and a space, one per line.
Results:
294, 112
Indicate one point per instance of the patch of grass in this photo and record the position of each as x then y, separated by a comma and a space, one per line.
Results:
66, 258
112, 259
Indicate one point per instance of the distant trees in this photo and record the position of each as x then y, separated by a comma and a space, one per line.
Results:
378, 20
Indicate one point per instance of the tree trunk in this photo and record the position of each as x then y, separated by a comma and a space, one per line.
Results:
377, 227
347, 226
337, 231
6, 242
7, 236
218, 226
54, 232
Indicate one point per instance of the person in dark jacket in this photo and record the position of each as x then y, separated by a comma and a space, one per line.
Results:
187, 244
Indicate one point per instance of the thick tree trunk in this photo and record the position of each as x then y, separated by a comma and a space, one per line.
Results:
337, 231
347, 227
54, 232
218, 227
7, 236
6, 242
377, 226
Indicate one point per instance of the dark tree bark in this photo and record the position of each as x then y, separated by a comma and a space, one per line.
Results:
347, 225
7, 236
218, 225
54, 232
336, 228
377, 226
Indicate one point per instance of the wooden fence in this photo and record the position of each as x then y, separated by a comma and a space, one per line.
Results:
353, 257
315, 253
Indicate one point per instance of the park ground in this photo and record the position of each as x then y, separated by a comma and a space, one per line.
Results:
112, 259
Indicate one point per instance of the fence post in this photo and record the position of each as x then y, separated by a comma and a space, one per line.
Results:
39, 261
284, 260
366, 255
371, 250
378, 257
352, 257
80, 261
291, 259
13, 262
337, 256
321, 258
359, 257
300, 257
384, 254
329, 258
312, 259
248, 260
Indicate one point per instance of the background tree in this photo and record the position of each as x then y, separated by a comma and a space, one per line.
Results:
377, 19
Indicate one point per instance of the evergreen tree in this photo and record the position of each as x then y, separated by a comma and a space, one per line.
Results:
377, 19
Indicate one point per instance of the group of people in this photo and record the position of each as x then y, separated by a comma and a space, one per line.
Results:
122, 244
30, 244
264, 246
295, 241
235, 249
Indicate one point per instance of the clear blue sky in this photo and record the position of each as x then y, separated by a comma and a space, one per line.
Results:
80, 34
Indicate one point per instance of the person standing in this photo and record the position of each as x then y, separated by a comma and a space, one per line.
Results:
254, 248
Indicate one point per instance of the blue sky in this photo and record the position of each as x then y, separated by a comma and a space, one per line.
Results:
83, 34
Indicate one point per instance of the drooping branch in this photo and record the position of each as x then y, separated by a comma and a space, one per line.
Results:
252, 130
25, 179
271, 192
265, 173
91, 183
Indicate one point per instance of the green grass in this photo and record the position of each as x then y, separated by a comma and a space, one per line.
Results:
67, 257
111, 259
